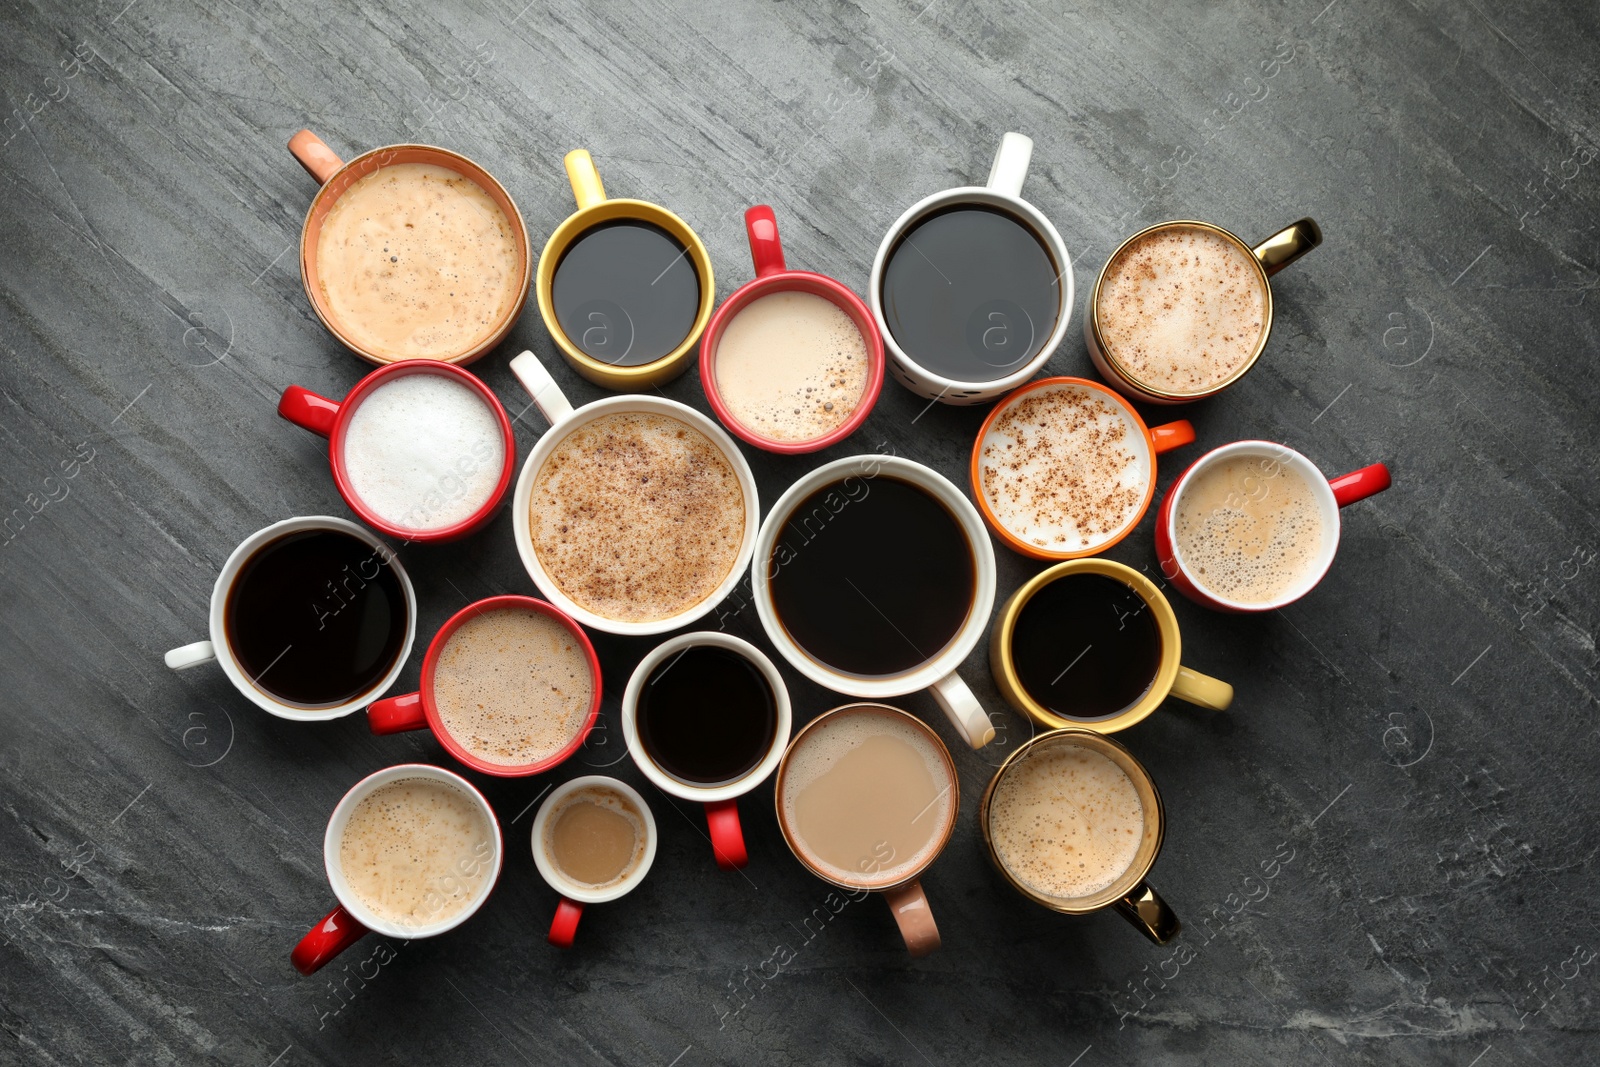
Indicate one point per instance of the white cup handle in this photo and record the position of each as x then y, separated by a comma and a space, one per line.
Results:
963, 710
1010, 168
181, 659
547, 395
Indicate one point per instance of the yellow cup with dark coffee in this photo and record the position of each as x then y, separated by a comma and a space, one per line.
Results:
624, 286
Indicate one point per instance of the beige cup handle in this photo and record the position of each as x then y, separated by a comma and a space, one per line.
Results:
318, 159
1288, 245
909, 905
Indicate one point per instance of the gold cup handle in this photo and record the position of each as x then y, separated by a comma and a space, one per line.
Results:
1144, 908
1202, 690
585, 178
1288, 245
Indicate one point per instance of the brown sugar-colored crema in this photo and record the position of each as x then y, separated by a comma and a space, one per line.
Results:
637, 516
1064, 468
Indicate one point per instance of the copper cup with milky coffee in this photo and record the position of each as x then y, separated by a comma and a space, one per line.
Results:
411, 252
510, 687
633, 514
867, 798
1075, 823
1182, 309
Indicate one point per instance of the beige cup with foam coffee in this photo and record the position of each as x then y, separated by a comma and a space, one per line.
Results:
1182, 309
1075, 823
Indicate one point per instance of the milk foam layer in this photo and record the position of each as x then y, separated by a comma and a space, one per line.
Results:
608, 801
513, 686
866, 797
417, 262
1182, 308
424, 451
1066, 821
417, 851
637, 516
1064, 468
1249, 528
791, 366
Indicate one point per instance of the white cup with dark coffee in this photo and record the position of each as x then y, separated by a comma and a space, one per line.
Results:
411, 851
633, 514
972, 287
706, 716
874, 576
311, 618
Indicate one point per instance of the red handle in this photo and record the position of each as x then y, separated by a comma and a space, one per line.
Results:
761, 225
564, 927
396, 715
308, 410
727, 840
1172, 435
335, 933
1358, 485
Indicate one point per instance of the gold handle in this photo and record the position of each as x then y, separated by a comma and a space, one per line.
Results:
1202, 689
1144, 908
1288, 245
585, 179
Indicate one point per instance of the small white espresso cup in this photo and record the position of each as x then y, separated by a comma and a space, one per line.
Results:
937, 674
574, 895
351, 920
721, 801
216, 649
563, 419
1003, 190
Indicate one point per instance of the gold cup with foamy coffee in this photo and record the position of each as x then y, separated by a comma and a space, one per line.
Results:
1075, 823
1182, 309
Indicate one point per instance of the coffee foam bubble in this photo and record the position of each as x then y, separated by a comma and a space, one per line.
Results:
417, 851
513, 686
1182, 308
824, 746
1249, 529
791, 366
1066, 821
612, 801
1064, 468
423, 451
637, 516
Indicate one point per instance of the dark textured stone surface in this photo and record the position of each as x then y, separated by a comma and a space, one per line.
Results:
1418, 735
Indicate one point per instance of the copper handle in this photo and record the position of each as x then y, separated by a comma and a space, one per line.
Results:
1288, 245
910, 907
318, 159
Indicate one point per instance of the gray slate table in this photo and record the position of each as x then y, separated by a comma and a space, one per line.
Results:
1383, 852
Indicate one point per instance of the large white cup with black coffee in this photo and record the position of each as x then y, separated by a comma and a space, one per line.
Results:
874, 576
972, 287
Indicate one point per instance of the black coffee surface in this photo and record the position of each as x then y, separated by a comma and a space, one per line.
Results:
872, 576
316, 618
626, 292
1086, 646
971, 293
707, 715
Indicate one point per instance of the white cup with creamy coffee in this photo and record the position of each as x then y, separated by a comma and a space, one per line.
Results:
1075, 823
634, 514
874, 576
1182, 310
594, 840
411, 851
1253, 526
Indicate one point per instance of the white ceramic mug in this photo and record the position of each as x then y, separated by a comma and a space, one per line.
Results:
937, 674
721, 801
563, 419
193, 655
1004, 191
574, 895
352, 920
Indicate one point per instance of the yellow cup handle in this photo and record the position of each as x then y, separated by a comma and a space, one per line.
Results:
585, 179
1202, 689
